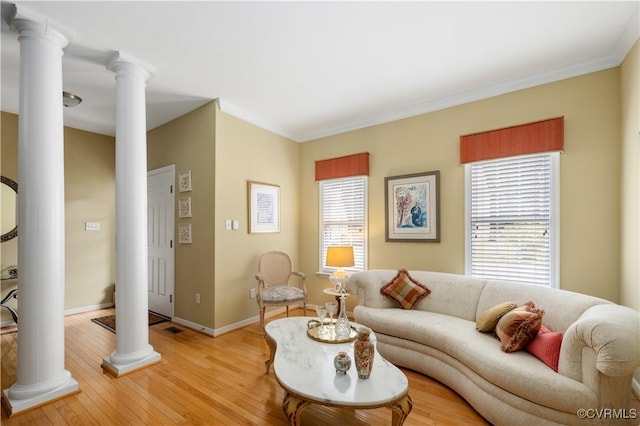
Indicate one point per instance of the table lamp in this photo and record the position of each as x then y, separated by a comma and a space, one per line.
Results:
339, 257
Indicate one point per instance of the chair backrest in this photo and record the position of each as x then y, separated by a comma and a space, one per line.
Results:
275, 268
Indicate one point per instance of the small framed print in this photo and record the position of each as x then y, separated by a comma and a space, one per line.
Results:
412, 207
184, 207
184, 181
184, 233
264, 207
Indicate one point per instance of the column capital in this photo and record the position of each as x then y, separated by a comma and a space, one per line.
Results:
125, 64
30, 24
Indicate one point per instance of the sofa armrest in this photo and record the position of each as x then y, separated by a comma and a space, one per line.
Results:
367, 286
612, 332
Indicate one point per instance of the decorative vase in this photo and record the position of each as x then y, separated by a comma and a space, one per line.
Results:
363, 351
342, 363
343, 327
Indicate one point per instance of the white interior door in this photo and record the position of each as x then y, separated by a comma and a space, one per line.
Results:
161, 222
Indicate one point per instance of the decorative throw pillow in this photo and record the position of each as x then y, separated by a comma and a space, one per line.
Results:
546, 347
404, 290
517, 328
487, 320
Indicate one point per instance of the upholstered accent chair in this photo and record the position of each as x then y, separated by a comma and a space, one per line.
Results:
276, 284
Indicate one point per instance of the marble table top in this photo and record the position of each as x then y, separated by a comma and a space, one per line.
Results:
305, 367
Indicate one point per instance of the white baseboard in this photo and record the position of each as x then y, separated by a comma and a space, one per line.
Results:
635, 388
231, 327
87, 309
68, 312
226, 329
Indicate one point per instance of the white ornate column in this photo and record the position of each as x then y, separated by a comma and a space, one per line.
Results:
133, 350
41, 375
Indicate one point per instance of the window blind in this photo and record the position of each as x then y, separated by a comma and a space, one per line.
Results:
511, 214
343, 218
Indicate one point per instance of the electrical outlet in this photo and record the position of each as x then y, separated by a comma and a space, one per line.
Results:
252, 293
227, 224
198, 298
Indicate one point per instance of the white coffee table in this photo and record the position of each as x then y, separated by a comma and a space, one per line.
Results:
304, 368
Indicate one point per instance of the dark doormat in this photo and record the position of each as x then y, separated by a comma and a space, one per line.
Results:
109, 321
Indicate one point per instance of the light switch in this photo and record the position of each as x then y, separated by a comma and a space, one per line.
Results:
227, 224
92, 226
236, 225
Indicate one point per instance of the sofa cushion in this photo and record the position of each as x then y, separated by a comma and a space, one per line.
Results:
562, 307
404, 290
487, 320
518, 327
546, 347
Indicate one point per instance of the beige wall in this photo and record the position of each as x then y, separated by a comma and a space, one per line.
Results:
590, 225
224, 152
89, 196
188, 142
245, 152
630, 185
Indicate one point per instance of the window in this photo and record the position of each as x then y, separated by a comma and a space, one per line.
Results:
343, 219
511, 219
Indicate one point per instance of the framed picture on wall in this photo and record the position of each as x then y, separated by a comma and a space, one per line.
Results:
184, 207
264, 207
184, 181
184, 233
412, 207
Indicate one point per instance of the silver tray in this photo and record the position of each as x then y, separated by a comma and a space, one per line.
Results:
313, 331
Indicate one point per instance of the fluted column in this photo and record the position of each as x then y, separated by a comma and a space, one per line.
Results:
41, 375
133, 350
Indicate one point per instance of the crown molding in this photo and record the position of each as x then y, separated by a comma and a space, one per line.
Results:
231, 109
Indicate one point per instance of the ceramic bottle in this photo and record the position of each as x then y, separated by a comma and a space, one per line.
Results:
342, 362
363, 352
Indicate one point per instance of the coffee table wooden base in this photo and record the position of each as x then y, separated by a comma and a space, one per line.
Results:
293, 405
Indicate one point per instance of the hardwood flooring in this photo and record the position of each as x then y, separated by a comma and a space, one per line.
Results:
200, 380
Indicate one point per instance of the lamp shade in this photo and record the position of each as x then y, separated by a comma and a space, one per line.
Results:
340, 256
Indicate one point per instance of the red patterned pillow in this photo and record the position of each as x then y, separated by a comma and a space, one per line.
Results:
405, 290
546, 347
517, 328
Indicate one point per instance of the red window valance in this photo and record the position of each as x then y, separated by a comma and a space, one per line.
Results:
541, 136
350, 165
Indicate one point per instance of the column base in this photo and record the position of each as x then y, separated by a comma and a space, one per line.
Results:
18, 405
121, 369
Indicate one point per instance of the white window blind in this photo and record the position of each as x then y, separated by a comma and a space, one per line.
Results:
343, 218
511, 234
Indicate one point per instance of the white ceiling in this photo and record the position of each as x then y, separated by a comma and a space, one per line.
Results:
312, 69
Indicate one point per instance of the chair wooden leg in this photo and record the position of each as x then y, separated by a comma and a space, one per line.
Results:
287, 311
304, 309
262, 320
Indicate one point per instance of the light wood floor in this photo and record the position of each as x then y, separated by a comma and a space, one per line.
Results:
201, 380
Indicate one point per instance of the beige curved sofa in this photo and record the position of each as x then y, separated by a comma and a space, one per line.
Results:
599, 351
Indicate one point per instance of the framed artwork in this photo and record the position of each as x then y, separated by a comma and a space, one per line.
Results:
184, 207
412, 207
184, 181
264, 207
184, 233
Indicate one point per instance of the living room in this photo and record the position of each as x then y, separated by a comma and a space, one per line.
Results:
599, 220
